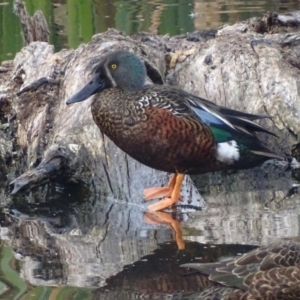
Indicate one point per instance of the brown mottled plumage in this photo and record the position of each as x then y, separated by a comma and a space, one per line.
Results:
166, 128
154, 128
268, 272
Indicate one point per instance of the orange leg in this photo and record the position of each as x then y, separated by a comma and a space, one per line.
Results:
165, 218
175, 195
159, 192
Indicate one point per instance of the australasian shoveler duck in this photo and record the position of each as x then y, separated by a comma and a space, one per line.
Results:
267, 273
167, 128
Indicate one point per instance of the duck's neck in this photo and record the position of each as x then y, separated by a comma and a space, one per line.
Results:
107, 110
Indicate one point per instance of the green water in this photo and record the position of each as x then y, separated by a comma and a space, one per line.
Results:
75, 21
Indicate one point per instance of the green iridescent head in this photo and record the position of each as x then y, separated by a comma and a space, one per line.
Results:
120, 69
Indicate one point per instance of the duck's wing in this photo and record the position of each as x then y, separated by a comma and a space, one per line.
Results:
226, 124
238, 120
186, 105
267, 264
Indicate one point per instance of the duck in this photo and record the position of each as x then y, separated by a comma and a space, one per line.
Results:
266, 273
167, 128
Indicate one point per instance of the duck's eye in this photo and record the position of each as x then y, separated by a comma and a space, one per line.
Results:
113, 66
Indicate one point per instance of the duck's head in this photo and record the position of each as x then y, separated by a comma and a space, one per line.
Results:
120, 69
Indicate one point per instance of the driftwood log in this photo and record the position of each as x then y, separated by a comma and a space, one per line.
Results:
42, 138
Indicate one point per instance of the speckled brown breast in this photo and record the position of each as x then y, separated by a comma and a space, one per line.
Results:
154, 136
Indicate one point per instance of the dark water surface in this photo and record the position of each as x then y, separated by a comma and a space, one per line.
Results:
62, 242
73, 22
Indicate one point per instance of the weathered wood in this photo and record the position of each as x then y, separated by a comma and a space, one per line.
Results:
244, 70
47, 128
34, 28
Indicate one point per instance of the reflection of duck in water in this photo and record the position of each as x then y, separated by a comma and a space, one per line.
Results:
268, 272
167, 128
160, 217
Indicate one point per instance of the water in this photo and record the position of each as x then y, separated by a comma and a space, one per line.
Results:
62, 241
74, 22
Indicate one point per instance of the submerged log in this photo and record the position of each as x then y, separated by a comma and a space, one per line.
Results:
235, 66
